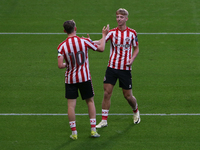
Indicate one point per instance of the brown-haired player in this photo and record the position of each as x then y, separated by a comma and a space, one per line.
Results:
73, 56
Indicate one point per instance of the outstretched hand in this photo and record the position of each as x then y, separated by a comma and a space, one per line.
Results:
108, 27
105, 29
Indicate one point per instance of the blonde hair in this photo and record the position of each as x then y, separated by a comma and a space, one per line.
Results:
122, 11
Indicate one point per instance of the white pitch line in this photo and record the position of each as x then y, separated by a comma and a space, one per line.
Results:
41, 33
24, 33
170, 33
85, 114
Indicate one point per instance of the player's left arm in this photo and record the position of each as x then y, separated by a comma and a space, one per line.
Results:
135, 53
61, 64
98, 42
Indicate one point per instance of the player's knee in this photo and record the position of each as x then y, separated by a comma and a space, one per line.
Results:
107, 94
127, 96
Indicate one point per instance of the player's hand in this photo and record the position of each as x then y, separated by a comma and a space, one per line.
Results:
129, 63
88, 36
104, 31
108, 27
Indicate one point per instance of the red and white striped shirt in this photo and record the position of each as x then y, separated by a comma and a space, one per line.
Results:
75, 52
121, 44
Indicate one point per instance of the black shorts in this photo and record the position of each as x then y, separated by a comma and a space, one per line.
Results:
124, 76
85, 88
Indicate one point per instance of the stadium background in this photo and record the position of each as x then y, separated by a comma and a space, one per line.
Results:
166, 75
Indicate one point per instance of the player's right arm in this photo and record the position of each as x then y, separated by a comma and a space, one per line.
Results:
102, 41
61, 65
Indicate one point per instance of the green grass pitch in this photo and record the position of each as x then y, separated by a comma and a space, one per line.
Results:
166, 76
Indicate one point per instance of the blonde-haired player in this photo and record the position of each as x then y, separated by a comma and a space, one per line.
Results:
123, 40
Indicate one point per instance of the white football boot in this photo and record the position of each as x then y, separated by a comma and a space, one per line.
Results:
102, 124
136, 117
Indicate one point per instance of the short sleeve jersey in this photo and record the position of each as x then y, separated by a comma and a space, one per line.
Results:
121, 44
75, 52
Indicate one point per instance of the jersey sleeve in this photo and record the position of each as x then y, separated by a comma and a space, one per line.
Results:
60, 50
108, 36
135, 40
91, 44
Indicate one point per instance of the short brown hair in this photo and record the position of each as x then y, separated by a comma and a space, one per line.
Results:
69, 26
122, 11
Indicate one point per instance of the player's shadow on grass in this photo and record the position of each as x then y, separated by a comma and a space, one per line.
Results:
115, 136
109, 136
64, 145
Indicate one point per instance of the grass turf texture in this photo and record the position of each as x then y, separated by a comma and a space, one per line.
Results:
51, 133
165, 75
